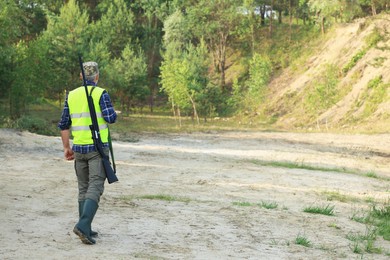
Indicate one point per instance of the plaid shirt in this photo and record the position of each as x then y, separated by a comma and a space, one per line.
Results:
109, 116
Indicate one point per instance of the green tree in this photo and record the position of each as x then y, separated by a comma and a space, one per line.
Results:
216, 21
10, 33
127, 76
176, 35
375, 5
184, 78
115, 27
66, 35
31, 76
325, 9
249, 96
149, 34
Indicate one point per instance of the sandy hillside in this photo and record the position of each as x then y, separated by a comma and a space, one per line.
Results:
207, 174
341, 45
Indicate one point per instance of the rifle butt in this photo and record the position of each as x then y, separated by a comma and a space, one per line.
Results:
110, 174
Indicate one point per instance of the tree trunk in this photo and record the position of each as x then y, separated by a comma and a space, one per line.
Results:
280, 17
271, 18
290, 19
373, 7
194, 108
179, 115
262, 14
221, 52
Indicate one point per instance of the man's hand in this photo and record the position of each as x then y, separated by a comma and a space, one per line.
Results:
69, 154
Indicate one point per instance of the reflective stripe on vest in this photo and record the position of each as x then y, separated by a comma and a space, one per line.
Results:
80, 116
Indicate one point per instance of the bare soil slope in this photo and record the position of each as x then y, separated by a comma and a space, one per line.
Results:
290, 90
206, 175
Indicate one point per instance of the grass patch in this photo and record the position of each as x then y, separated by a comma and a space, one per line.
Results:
323, 210
380, 217
302, 240
337, 196
263, 204
243, 204
155, 197
364, 242
164, 197
268, 205
294, 165
371, 175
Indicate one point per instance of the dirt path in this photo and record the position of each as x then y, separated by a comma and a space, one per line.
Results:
207, 174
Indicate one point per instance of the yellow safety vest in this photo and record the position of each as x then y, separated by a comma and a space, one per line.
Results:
81, 118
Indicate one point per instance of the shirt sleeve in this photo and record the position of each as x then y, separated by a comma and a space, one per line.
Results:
108, 110
65, 121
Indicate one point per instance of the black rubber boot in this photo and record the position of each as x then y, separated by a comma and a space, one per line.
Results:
83, 227
81, 207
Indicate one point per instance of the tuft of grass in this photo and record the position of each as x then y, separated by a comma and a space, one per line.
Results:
242, 203
371, 175
359, 217
334, 225
324, 210
268, 205
364, 242
302, 240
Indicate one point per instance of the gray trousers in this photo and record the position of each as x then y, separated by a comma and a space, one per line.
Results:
90, 175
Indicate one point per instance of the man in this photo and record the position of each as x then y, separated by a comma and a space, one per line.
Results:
88, 163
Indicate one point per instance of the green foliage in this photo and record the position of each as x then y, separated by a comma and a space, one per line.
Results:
250, 96
66, 36
217, 23
35, 125
115, 27
360, 54
375, 94
324, 92
10, 31
373, 38
176, 34
184, 79
380, 216
127, 74
371, 41
259, 75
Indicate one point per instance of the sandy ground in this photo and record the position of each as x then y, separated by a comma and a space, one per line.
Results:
210, 172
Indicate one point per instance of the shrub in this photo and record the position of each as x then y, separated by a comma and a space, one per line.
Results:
34, 125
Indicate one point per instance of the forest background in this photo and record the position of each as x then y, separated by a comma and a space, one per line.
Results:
208, 62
